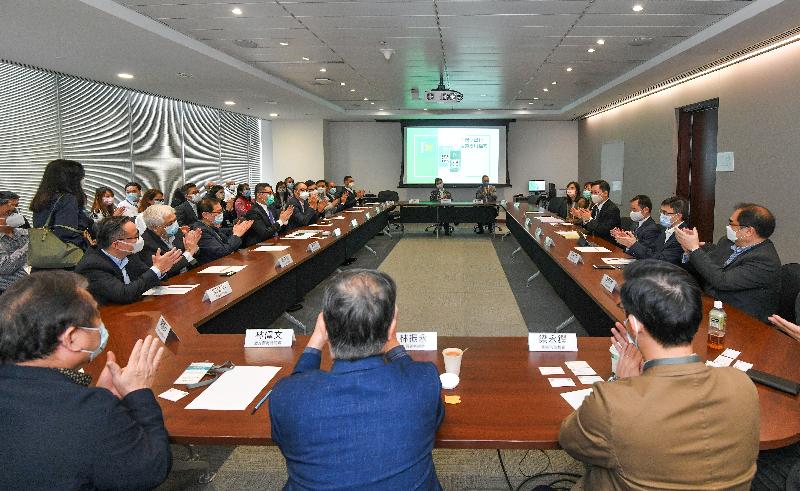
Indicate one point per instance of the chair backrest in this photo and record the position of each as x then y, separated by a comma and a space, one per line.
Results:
388, 195
790, 288
626, 223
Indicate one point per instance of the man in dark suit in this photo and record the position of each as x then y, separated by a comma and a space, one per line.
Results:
347, 196
57, 431
187, 211
163, 233
217, 242
743, 269
113, 268
663, 245
268, 221
369, 423
307, 207
604, 214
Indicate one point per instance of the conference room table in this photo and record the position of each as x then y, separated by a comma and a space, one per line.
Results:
505, 401
447, 212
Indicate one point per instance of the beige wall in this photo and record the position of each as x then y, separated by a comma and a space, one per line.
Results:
298, 149
759, 120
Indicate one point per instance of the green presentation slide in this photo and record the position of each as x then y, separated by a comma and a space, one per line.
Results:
457, 155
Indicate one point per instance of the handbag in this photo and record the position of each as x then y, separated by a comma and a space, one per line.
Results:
47, 251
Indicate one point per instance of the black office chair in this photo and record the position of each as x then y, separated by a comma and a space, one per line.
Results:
394, 215
790, 289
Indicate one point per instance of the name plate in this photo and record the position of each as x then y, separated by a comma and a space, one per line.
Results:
377, 210
367, 215
516, 204
538, 233
574, 257
163, 330
354, 223
268, 338
527, 222
285, 260
609, 283
313, 247
413, 201
337, 232
548, 242
552, 341
503, 202
445, 200
418, 341
477, 201
215, 293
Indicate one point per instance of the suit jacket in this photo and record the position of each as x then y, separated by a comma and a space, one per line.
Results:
683, 426
302, 215
186, 214
263, 227
604, 221
215, 243
486, 193
752, 282
61, 435
366, 424
435, 195
351, 198
153, 242
653, 244
106, 282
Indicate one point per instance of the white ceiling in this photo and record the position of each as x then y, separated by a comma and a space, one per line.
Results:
500, 53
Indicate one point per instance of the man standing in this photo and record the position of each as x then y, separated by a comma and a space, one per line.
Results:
743, 269
604, 214
14, 241
672, 422
369, 423
268, 221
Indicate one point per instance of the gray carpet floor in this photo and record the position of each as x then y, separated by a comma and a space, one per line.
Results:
473, 261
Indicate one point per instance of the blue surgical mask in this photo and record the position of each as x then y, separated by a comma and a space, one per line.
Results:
270, 199
333, 191
246, 193
290, 185
218, 219
587, 194
486, 184
133, 197
173, 229
103, 341
665, 220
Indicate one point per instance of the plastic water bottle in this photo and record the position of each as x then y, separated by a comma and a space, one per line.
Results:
717, 321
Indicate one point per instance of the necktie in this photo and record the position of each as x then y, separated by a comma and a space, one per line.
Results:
269, 214
594, 212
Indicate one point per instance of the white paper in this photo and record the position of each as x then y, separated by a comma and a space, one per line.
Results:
742, 365
173, 395
550, 220
235, 389
552, 341
592, 249
418, 341
617, 261
338, 218
723, 361
575, 398
321, 225
580, 368
221, 269
193, 373
352, 211
731, 353
302, 237
710, 363
568, 234
561, 382
170, 290
272, 248
589, 379
551, 370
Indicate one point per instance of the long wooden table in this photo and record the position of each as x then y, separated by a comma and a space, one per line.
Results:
506, 403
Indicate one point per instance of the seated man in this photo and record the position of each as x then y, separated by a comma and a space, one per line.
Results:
672, 423
439, 194
743, 269
164, 233
488, 194
59, 433
217, 242
335, 428
604, 214
348, 195
665, 246
113, 268
187, 211
307, 207
268, 221
643, 228
14, 241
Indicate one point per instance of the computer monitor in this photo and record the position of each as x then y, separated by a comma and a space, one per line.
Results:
537, 186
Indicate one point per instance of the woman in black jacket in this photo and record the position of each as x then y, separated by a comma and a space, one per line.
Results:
61, 193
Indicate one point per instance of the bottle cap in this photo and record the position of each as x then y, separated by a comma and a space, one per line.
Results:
717, 304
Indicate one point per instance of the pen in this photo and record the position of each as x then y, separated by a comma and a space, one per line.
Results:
262, 401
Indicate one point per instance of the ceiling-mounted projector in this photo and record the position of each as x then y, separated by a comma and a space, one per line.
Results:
442, 94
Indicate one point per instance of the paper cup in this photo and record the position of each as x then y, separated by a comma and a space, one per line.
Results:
452, 360
449, 380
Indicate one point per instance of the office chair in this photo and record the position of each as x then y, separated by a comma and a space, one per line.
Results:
790, 288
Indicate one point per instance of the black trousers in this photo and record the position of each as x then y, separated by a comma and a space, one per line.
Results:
778, 469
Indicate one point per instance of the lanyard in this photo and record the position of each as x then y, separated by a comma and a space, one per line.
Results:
679, 360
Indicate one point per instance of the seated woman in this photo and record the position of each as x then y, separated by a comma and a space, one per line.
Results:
243, 201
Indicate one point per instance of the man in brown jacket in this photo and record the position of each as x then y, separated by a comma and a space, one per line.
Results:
672, 422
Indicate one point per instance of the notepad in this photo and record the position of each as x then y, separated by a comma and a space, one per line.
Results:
271, 248
170, 290
222, 269
551, 220
592, 249
568, 234
235, 389
617, 261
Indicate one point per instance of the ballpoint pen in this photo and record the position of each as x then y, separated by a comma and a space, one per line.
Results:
262, 401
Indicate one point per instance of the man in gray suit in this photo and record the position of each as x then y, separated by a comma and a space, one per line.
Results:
743, 269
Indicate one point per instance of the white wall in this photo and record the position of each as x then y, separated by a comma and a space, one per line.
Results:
297, 149
267, 162
542, 150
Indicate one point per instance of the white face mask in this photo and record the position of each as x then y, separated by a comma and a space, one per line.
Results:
196, 198
637, 216
108, 200
15, 220
137, 246
730, 233
303, 194
596, 199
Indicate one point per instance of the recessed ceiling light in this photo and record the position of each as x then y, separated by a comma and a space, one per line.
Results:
590, 50
554, 83
535, 98
546, 89
283, 43
371, 103
342, 84
352, 90
530, 103
323, 69
637, 8
569, 68
483, 95
126, 76
424, 108
478, 109
230, 103
306, 58
273, 115
601, 41
366, 98
236, 11
381, 109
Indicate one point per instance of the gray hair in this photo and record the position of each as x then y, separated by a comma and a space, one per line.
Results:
155, 215
358, 307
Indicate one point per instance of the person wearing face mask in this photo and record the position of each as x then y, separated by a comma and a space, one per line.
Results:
163, 233
268, 220
644, 230
149, 198
281, 195
562, 205
488, 194
439, 193
217, 242
231, 190
103, 204
243, 201
665, 246
671, 422
113, 268
743, 268
14, 241
289, 184
305, 207
228, 211
604, 213
130, 205
348, 194
187, 211
59, 431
